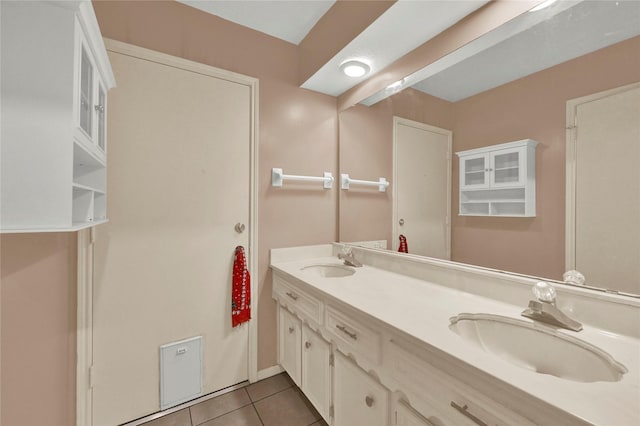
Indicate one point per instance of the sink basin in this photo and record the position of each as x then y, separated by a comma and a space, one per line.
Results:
330, 270
538, 348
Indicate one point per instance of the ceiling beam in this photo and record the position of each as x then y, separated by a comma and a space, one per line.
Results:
343, 22
471, 27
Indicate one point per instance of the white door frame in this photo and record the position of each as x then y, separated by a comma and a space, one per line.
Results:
571, 169
84, 343
394, 182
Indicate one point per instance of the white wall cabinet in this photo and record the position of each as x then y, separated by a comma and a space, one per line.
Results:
498, 180
54, 86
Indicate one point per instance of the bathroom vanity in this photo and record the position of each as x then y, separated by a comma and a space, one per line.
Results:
376, 344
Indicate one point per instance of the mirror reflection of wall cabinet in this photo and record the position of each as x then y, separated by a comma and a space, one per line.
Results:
54, 117
498, 180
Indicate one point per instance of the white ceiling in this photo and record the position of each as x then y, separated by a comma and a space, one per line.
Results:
529, 43
289, 20
403, 27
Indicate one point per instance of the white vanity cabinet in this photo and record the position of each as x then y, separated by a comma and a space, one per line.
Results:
407, 416
303, 353
378, 377
498, 180
55, 78
359, 399
290, 344
316, 370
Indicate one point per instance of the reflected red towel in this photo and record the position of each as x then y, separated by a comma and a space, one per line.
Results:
241, 291
404, 248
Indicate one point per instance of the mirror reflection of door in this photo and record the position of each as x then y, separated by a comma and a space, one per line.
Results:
605, 246
422, 187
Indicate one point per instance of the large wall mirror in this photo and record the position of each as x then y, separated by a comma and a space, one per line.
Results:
517, 82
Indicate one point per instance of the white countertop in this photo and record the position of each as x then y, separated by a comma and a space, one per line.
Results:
422, 310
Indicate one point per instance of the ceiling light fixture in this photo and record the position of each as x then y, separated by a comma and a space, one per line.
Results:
542, 5
354, 68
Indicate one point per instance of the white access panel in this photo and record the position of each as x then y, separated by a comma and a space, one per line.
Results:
180, 372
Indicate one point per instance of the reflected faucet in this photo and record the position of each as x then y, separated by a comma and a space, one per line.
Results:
544, 309
348, 258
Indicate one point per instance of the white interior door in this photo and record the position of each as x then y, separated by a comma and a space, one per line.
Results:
179, 181
422, 188
607, 190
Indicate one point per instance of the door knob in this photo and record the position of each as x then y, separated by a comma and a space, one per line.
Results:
401, 222
369, 401
239, 228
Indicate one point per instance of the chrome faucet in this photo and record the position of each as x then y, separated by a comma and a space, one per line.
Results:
348, 258
544, 309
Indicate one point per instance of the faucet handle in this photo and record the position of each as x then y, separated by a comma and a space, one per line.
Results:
544, 292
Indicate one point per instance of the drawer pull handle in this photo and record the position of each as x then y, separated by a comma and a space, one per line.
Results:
369, 401
464, 410
307, 345
351, 334
291, 330
293, 296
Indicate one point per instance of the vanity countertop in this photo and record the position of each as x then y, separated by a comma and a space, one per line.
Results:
422, 310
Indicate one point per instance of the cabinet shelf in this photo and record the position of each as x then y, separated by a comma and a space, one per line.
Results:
87, 188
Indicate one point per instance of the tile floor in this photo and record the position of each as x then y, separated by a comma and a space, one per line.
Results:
275, 401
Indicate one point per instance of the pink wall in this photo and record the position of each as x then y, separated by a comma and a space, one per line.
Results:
38, 276
366, 153
532, 107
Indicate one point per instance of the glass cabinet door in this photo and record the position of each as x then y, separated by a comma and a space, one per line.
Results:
86, 92
474, 172
506, 168
100, 111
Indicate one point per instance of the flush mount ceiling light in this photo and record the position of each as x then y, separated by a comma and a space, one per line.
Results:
543, 5
354, 68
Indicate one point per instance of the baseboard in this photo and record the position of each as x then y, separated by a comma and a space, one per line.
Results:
270, 371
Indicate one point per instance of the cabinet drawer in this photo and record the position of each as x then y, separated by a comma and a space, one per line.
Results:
454, 402
353, 336
298, 301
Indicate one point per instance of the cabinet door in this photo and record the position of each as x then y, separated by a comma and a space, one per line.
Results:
290, 343
507, 168
316, 371
86, 92
101, 115
474, 171
358, 398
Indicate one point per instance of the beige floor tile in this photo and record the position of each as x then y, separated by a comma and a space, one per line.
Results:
269, 386
218, 406
286, 408
179, 418
245, 416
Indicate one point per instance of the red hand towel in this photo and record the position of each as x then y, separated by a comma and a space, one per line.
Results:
404, 248
241, 291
